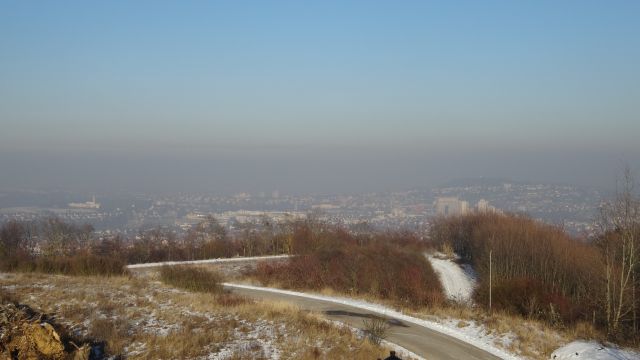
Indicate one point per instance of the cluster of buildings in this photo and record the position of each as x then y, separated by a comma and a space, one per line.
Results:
86, 205
232, 218
571, 207
446, 206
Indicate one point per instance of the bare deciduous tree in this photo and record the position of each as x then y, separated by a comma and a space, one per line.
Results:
620, 226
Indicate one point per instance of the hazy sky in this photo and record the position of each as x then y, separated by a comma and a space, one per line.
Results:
327, 96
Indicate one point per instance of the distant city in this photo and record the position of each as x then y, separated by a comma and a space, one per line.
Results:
571, 207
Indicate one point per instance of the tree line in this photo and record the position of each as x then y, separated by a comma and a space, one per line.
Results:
385, 264
54, 246
539, 271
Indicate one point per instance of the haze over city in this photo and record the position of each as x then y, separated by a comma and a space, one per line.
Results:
327, 97
314, 180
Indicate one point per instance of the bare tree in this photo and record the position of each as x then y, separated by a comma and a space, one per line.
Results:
620, 226
207, 232
12, 241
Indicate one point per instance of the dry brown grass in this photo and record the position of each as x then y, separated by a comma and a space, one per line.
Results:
115, 329
185, 344
191, 278
532, 339
144, 319
447, 250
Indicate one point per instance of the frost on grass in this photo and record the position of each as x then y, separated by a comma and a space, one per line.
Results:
259, 338
141, 319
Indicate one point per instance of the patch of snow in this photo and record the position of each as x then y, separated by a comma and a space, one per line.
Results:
474, 329
403, 352
134, 349
152, 325
592, 350
474, 335
260, 341
208, 261
457, 281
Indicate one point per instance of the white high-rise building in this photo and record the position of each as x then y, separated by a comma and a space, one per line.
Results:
446, 206
483, 206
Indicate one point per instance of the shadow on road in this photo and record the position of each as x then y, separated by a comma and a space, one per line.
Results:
392, 322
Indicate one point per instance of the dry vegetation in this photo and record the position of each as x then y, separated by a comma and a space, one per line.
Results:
538, 273
547, 287
529, 338
144, 319
53, 246
191, 278
387, 266
544, 282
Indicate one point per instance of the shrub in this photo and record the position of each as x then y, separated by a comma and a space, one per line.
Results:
538, 270
376, 328
375, 269
191, 278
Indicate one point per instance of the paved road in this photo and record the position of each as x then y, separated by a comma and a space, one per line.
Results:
427, 343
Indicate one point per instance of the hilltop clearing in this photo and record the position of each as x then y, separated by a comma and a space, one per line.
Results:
144, 319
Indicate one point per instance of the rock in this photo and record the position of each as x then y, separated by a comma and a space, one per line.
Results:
24, 336
46, 340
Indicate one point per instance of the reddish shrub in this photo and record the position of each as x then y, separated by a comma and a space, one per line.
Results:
373, 269
537, 269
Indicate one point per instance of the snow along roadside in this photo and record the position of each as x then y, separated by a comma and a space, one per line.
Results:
380, 309
406, 353
208, 261
592, 350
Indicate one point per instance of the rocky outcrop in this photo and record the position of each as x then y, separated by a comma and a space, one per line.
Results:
25, 335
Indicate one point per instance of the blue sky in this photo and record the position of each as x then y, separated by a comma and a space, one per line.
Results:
368, 77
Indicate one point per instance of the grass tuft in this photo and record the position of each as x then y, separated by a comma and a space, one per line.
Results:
376, 328
191, 278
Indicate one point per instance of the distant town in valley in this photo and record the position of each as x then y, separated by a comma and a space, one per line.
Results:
570, 207
313, 180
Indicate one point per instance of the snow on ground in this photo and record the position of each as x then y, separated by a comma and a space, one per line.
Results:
400, 351
458, 281
151, 311
208, 261
260, 339
593, 351
472, 334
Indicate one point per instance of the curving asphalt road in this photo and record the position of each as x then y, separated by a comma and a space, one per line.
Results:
427, 343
